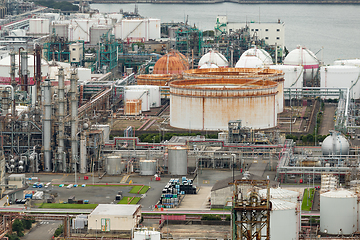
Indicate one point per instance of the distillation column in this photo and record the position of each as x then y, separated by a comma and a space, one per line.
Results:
61, 147
24, 69
13, 80
74, 119
47, 125
83, 153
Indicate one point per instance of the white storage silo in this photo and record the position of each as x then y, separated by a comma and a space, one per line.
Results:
114, 165
284, 220
147, 167
154, 93
177, 160
348, 62
338, 212
146, 234
293, 75
281, 194
340, 76
39, 26
135, 94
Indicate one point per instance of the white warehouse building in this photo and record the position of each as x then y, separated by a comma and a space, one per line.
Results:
114, 217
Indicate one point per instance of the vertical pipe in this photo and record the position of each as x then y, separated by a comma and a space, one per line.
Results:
47, 125
24, 69
13, 80
74, 118
61, 136
83, 154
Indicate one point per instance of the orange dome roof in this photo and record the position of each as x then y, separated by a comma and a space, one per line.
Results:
172, 63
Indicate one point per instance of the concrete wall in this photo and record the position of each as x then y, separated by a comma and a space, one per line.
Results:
220, 196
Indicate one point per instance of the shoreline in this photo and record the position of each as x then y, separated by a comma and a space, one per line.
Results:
335, 2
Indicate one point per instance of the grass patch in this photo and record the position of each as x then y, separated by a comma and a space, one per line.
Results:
307, 199
221, 209
99, 185
144, 190
135, 189
68, 206
125, 200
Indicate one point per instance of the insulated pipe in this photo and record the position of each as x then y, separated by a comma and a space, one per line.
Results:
74, 119
61, 136
24, 69
47, 125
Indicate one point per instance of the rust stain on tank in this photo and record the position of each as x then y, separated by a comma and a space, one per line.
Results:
172, 63
157, 79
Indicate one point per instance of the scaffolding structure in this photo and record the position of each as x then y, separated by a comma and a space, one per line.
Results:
189, 42
250, 213
108, 49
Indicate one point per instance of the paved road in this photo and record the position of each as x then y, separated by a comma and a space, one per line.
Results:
43, 230
327, 119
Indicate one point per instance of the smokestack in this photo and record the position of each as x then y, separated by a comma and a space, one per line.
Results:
74, 118
47, 125
61, 136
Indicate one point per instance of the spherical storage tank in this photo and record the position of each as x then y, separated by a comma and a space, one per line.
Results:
209, 104
5, 69
147, 167
305, 58
254, 58
213, 57
340, 76
335, 144
284, 220
177, 160
114, 165
172, 63
281, 194
148, 235
338, 212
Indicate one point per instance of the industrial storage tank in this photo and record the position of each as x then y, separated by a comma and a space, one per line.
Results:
39, 26
301, 56
147, 167
137, 29
177, 160
213, 57
61, 29
338, 212
156, 79
154, 93
248, 73
293, 75
97, 31
172, 63
146, 234
208, 65
209, 104
254, 58
281, 194
335, 144
348, 62
341, 76
114, 165
5, 69
284, 220
137, 94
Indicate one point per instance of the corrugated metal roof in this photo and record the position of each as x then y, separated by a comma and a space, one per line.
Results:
115, 209
282, 205
339, 193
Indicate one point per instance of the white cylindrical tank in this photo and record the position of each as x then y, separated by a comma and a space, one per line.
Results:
348, 62
213, 57
114, 165
335, 144
39, 26
284, 220
281, 194
340, 76
147, 167
154, 93
84, 75
209, 104
305, 58
5, 69
254, 58
148, 235
293, 75
135, 94
338, 213
177, 160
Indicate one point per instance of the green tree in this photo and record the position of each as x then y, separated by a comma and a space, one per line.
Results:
18, 227
59, 231
12, 236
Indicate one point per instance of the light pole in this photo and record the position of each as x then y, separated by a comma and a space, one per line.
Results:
96, 228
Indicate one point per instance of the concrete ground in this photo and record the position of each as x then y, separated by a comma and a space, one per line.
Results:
197, 201
327, 119
42, 230
197, 231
